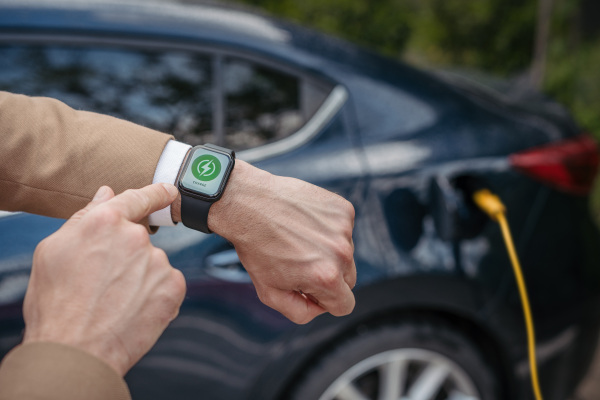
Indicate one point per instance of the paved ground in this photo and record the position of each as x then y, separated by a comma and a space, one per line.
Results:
590, 387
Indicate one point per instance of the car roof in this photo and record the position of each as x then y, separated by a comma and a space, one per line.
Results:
382, 88
146, 17
205, 21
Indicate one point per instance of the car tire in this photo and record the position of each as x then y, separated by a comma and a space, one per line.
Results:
401, 360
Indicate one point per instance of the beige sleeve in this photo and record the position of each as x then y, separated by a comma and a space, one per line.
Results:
53, 158
40, 371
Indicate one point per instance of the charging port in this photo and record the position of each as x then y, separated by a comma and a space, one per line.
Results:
455, 214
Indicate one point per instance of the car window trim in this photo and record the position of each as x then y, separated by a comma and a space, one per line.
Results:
164, 44
330, 107
333, 103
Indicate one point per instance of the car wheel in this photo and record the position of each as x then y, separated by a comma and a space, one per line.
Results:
412, 360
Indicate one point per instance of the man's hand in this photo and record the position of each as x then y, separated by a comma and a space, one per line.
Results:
99, 285
293, 238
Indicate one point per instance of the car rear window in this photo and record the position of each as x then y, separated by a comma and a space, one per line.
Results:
166, 91
198, 97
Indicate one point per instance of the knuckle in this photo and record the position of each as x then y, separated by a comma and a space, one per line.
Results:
349, 210
266, 298
175, 313
79, 214
130, 193
167, 312
48, 256
179, 284
104, 216
158, 255
352, 279
328, 277
171, 294
345, 252
42, 246
348, 223
347, 231
138, 235
41, 251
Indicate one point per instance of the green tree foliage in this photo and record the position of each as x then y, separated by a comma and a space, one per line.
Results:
475, 33
442, 31
495, 36
383, 24
573, 75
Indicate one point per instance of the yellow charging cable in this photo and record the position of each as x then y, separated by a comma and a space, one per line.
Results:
492, 206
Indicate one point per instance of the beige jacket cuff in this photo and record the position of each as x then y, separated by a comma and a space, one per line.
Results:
36, 371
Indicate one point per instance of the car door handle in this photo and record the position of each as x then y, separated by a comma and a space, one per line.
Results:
227, 266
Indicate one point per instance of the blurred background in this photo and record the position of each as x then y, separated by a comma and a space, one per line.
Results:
551, 45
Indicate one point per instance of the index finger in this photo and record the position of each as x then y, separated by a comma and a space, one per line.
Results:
136, 204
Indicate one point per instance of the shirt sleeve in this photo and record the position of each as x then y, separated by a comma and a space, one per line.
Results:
54, 158
48, 371
167, 170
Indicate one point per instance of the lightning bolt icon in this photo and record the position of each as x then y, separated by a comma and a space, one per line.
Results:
205, 168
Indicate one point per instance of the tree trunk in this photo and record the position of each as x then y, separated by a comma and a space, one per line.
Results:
542, 37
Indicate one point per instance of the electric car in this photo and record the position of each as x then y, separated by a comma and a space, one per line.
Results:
437, 309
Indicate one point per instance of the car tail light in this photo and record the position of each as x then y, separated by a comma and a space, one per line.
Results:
569, 166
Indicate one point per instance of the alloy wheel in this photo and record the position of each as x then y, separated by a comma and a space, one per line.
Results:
403, 374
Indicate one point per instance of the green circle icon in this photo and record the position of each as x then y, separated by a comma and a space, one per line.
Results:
206, 167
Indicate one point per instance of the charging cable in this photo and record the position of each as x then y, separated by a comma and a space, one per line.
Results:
492, 206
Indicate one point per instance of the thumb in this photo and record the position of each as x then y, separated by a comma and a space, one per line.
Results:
102, 195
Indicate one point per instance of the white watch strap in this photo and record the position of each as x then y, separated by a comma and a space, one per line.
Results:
166, 172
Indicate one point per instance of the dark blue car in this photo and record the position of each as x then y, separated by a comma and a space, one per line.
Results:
438, 315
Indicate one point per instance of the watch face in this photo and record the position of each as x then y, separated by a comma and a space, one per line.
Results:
205, 172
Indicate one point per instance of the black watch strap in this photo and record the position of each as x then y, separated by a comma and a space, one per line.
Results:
194, 213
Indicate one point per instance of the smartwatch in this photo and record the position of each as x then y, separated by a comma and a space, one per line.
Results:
202, 181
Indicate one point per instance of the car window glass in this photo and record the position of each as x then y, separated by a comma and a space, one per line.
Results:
263, 105
169, 91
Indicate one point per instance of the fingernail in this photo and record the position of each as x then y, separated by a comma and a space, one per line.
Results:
171, 189
101, 193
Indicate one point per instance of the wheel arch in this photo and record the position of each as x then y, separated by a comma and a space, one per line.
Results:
388, 302
485, 342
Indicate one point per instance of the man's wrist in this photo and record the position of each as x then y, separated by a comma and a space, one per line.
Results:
243, 182
221, 218
241, 175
